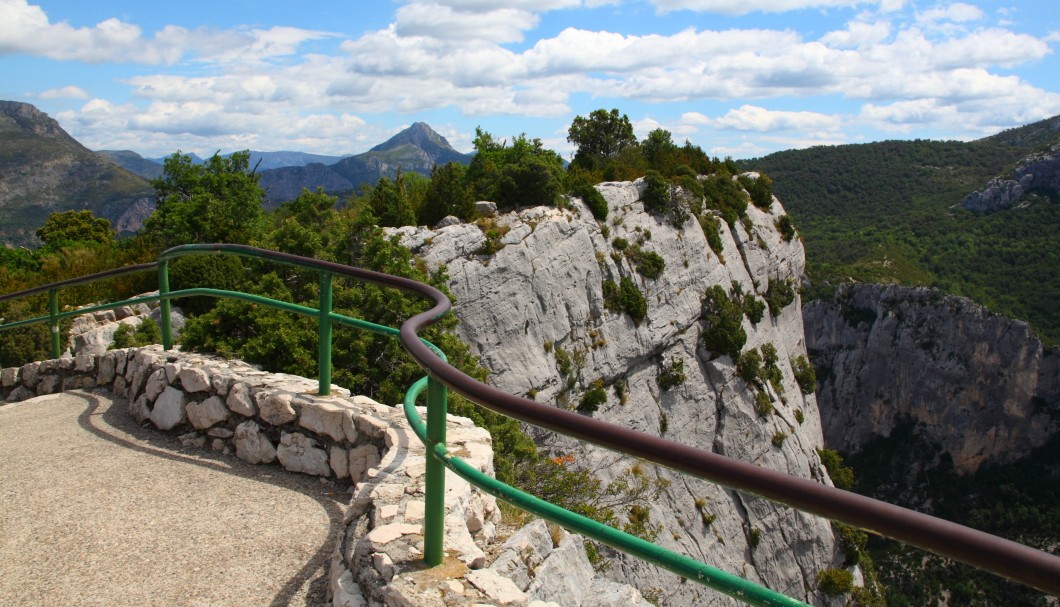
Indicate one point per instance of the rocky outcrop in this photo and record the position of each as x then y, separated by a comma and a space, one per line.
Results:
978, 384
535, 310
93, 333
1039, 172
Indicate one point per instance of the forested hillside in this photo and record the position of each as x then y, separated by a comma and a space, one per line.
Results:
890, 212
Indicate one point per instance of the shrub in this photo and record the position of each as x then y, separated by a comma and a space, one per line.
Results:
753, 308
563, 360
144, 334
749, 367
778, 438
620, 244
657, 193
592, 399
799, 416
780, 294
763, 404
672, 375
755, 537
786, 227
842, 476
710, 225
805, 374
594, 200
650, 264
625, 297
724, 331
835, 582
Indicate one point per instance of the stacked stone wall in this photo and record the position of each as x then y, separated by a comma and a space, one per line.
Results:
277, 419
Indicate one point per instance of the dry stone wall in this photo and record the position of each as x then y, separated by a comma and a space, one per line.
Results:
270, 418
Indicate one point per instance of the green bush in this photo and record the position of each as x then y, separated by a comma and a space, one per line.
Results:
592, 399
805, 374
723, 332
779, 437
595, 201
779, 296
144, 334
657, 194
672, 375
649, 263
763, 404
835, 582
625, 297
842, 476
620, 244
786, 227
749, 367
754, 308
711, 230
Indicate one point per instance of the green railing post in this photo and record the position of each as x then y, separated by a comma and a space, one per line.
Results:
53, 315
324, 334
434, 515
163, 318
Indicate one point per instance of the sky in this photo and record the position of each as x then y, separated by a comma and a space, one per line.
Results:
740, 78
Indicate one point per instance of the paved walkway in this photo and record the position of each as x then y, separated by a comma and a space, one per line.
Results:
95, 510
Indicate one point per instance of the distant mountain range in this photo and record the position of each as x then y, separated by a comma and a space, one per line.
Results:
44, 170
283, 174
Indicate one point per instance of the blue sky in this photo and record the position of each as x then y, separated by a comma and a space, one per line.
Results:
737, 77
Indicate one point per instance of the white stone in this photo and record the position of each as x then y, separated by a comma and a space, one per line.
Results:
385, 534
207, 413
384, 565
323, 418
138, 409
605, 593
252, 446
500, 589
168, 411
240, 400
565, 575
9, 377
194, 380
362, 459
277, 409
299, 453
339, 459
347, 593
156, 384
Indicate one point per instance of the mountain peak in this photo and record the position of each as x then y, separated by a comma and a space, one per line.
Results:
27, 118
421, 135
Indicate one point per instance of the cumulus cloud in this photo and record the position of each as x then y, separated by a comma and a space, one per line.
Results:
957, 12
743, 7
443, 22
26, 29
754, 118
66, 92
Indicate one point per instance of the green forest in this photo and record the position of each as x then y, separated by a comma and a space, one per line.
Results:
890, 212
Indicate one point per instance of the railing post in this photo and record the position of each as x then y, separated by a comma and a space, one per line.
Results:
53, 315
164, 305
324, 334
434, 515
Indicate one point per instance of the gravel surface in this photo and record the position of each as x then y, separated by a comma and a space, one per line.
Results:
95, 510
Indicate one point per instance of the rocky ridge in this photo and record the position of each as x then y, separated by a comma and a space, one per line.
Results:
1038, 172
540, 293
980, 385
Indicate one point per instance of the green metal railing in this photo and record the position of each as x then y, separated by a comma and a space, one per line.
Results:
1008, 559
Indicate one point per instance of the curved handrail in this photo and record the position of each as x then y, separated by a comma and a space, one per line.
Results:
1006, 558
715, 578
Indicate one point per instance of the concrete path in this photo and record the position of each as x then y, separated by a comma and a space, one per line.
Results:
95, 510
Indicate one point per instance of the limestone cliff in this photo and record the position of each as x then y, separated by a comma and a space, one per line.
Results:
980, 385
529, 292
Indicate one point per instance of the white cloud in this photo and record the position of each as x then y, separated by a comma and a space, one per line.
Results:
859, 34
66, 92
957, 12
754, 118
443, 22
743, 7
26, 29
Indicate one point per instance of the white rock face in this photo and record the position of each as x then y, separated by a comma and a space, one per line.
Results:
169, 409
542, 292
